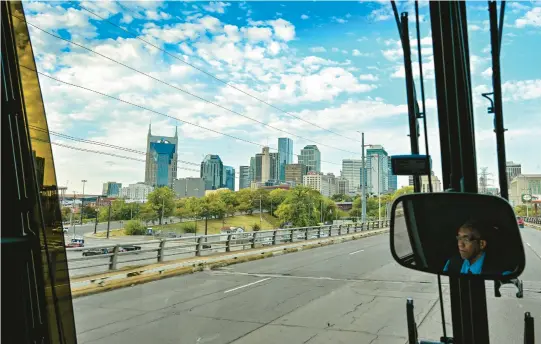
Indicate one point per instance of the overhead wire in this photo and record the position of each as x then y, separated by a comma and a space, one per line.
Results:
103, 144
100, 152
210, 74
183, 90
158, 112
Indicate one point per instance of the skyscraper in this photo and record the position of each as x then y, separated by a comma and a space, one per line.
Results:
311, 158
229, 178
274, 165
513, 170
393, 179
111, 189
265, 164
244, 178
285, 150
377, 169
212, 170
351, 170
252, 170
161, 160
295, 173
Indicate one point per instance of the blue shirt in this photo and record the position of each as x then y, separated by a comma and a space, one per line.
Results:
475, 268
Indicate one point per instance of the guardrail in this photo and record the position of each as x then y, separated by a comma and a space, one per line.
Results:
116, 257
534, 220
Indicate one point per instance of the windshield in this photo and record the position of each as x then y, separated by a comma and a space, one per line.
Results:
211, 156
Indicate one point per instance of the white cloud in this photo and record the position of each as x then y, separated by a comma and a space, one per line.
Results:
381, 14
487, 73
335, 50
473, 27
304, 17
274, 48
155, 15
217, 7
531, 18
356, 52
258, 34
283, 29
339, 20
318, 49
368, 77
522, 89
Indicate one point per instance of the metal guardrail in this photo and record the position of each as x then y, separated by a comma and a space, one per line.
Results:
203, 245
534, 220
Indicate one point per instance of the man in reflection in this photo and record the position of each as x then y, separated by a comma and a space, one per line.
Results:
474, 257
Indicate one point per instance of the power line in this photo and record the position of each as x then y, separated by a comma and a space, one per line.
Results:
209, 74
183, 90
100, 152
157, 112
103, 144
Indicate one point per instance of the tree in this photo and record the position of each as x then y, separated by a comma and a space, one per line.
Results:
402, 191
181, 208
229, 198
134, 227
147, 213
66, 213
162, 200
276, 197
245, 200
300, 207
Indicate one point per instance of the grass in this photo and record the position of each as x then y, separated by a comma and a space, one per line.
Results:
214, 225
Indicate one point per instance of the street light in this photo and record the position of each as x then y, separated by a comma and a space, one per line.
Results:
83, 200
363, 196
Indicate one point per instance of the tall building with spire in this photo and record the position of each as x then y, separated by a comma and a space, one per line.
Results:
161, 159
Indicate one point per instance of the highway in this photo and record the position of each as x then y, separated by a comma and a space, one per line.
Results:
352, 292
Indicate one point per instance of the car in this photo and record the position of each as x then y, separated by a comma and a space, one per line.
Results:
130, 248
520, 222
76, 243
95, 252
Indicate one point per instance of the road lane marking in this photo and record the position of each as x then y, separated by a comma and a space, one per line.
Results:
356, 252
528, 244
246, 285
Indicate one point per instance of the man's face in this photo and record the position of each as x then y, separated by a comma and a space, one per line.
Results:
469, 244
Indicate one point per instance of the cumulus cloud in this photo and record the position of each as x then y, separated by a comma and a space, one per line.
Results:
531, 18
216, 7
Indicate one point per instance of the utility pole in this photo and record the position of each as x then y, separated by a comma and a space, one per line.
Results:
71, 215
260, 212
363, 188
83, 200
163, 207
96, 223
379, 192
109, 220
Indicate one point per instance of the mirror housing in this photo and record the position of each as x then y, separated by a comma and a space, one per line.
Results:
458, 235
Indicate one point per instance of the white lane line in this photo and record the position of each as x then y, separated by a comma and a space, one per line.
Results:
356, 252
246, 285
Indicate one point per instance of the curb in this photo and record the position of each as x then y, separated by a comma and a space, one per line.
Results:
131, 277
538, 227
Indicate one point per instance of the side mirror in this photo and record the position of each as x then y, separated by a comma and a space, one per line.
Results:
458, 235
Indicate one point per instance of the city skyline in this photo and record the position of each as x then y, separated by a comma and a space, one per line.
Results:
323, 71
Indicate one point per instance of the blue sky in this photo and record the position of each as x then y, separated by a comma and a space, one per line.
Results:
338, 65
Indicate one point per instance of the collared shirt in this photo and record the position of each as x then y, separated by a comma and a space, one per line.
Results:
475, 269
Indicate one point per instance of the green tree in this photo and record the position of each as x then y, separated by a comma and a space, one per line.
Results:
300, 207
181, 208
276, 197
147, 213
134, 227
229, 198
402, 191
162, 200
66, 213
246, 200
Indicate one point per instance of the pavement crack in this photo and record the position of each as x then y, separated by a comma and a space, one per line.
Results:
377, 336
309, 339
359, 305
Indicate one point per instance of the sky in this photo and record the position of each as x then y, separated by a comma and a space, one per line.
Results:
236, 76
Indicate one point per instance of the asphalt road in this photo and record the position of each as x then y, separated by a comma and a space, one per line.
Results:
345, 293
